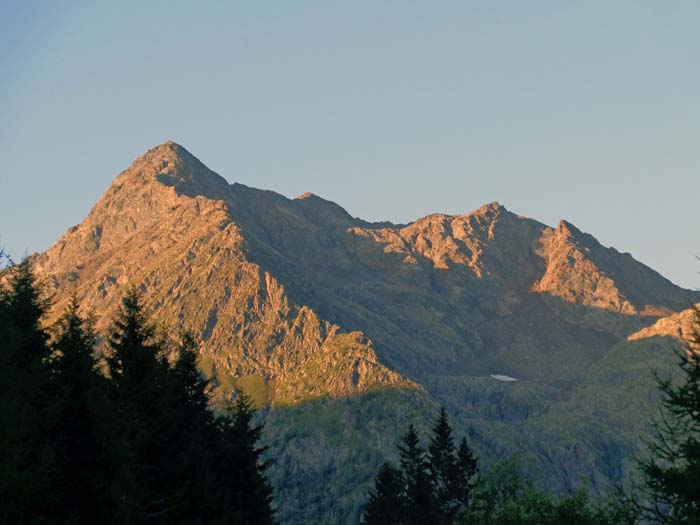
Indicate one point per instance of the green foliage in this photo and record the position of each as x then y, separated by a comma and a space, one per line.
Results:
504, 497
444, 486
254, 387
327, 453
672, 470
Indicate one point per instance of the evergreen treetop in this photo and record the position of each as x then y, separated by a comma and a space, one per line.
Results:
29, 471
386, 503
81, 432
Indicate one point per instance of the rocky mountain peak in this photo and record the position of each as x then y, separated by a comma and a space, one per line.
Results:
171, 165
491, 207
306, 195
567, 229
159, 158
171, 146
167, 187
323, 211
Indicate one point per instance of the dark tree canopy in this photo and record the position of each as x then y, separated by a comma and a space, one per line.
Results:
386, 500
467, 473
430, 487
81, 431
28, 462
244, 484
672, 470
421, 503
129, 439
448, 479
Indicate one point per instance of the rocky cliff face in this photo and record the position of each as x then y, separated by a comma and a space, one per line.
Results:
165, 225
297, 301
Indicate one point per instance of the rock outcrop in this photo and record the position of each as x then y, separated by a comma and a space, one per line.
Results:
681, 326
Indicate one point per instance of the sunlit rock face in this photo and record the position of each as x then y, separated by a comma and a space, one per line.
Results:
269, 283
682, 326
297, 301
167, 225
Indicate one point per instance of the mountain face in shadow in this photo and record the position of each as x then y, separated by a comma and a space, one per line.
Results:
300, 303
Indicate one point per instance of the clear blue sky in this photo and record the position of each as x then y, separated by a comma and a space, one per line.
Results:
588, 111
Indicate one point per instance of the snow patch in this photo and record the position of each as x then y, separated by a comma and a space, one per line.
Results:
500, 377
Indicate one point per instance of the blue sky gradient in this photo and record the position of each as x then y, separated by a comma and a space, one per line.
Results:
588, 111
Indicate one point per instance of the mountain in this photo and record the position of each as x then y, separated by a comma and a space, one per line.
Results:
345, 331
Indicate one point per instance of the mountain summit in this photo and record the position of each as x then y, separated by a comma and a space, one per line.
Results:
310, 309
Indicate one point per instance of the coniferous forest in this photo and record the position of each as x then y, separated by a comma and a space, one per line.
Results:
122, 431
125, 436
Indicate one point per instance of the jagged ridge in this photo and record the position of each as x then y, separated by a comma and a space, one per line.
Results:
165, 226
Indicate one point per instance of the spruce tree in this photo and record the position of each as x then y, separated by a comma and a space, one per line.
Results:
672, 472
139, 378
81, 433
386, 504
194, 440
243, 480
444, 471
177, 463
24, 304
139, 445
420, 500
29, 475
467, 471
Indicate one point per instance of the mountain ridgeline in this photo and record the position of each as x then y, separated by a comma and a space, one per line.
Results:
539, 341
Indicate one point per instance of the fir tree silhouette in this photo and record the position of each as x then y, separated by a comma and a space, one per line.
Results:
139, 375
244, 482
467, 469
420, 498
133, 441
444, 469
81, 434
430, 488
192, 469
386, 504
29, 472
